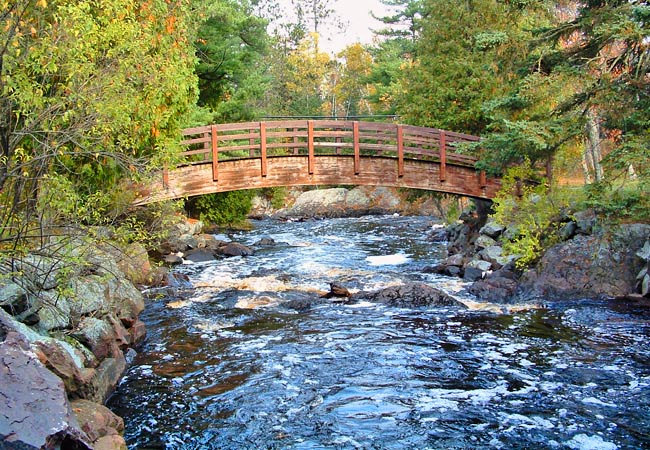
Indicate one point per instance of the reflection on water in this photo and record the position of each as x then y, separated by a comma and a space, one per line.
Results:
231, 366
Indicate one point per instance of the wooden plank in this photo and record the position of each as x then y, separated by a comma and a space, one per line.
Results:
263, 147
357, 158
376, 126
338, 140
215, 154
285, 134
195, 130
443, 156
400, 151
251, 141
482, 177
332, 134
333, 124
196, 152
310, 147
243, 126
286, 124
200, 140
295, 141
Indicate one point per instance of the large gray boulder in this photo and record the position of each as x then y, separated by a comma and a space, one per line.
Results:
598, 265
410, 295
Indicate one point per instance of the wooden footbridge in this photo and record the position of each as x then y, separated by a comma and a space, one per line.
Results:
236, 156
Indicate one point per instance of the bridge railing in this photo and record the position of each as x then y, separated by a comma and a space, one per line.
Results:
310, 138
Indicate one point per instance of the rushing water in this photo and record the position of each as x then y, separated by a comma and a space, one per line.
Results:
230, 365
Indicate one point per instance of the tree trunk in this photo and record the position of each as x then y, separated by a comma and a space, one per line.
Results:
594, 143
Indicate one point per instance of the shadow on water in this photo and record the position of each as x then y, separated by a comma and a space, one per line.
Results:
214, 374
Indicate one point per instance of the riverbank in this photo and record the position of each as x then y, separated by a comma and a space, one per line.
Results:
592, 259
69, 323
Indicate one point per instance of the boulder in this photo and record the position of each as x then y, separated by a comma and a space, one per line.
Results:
585, 221
644, 253
568, 231
265, 242
54, 312
89, 295
43, 271
199, 256
34, 408
439, 235
485, 242
173, 259
492, 229
99, 336
472, 274
58, 360
357, 199
108, 374
483, 266
137, 332
96, 420
495, 289
236, 249
598, 265
127, 302
110, 442
455, 260
410, 294
11, 293
337, 290
133, 261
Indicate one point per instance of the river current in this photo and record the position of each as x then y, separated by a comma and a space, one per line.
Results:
234, 363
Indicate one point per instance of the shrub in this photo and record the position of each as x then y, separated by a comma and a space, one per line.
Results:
225, 208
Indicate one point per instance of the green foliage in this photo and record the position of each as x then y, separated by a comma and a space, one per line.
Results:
276, 195
535, 215
226, 209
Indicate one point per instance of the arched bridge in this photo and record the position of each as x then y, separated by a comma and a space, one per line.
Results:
236, 156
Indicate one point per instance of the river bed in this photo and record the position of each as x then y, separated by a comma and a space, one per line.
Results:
244, 361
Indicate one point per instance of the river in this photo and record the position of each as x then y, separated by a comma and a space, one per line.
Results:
240, 362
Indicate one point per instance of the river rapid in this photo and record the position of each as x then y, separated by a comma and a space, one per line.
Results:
241, 361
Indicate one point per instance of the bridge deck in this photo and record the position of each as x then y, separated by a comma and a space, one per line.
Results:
228, 157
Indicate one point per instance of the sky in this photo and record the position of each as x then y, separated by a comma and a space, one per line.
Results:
356, 14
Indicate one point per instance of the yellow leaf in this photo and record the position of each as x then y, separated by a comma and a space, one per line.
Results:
42, 3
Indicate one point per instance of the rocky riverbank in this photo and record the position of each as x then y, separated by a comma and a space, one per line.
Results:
68, 326
591, 261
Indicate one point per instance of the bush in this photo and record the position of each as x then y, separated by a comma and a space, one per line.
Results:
225, 208
276, 195
535, 215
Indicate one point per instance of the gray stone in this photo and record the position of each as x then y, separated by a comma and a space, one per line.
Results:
88, 295
54, 312
585, 221
645, 285
492, 253
411, 295
126, 300
484, 242
455, 260
568, 231
483, 266
453, 271
356, 199
644, 253
492, 229
108, 375
173, 260
598, 265
472, 274
199, 256
236, 249
10, 293
265, 242
43, 271
98, 335
511, 232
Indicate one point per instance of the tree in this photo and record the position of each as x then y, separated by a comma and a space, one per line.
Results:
350, 82
405, 23
90, 91
231, 46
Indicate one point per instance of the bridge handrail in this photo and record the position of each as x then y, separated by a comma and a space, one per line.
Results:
221, 142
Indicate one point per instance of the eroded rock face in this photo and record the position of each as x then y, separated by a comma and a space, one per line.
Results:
603, 265
410, 295
34, 409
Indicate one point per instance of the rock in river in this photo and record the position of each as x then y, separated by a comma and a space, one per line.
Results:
409, 295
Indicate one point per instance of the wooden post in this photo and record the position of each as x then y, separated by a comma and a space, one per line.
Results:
263, 146
295, 141
338, 141
206, 145
443, 156
251, 142
400, 151
310, 146
215, 153
357, 156
165, 176
482, 179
